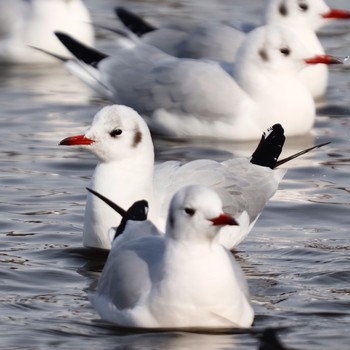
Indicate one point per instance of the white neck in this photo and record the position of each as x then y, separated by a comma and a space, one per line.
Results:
280, 96
123, 182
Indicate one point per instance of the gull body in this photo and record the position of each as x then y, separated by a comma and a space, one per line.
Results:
220, 42
182, 279
185, 97
32, 23
126, 172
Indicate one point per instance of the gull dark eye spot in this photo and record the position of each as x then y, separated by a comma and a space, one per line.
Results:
137, 138
190, 211
263, 55
283, 9
285, 51
116, 132
304, 7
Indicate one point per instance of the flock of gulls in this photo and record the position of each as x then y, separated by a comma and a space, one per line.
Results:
170, 227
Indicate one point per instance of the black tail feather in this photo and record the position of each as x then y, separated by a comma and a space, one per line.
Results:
138, 211
269, 147
285, 160
133, 22
80, 51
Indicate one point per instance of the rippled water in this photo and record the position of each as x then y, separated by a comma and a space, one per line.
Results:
296, 258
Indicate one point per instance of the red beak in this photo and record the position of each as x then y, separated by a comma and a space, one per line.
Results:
224, 219
337, 14
76, 141
324, 59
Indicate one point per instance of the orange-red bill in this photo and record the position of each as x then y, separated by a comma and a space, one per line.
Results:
337, 14
78, 140
224, 219
323, 59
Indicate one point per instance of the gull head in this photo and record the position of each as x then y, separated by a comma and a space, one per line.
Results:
296, 14
196, 214
117, 132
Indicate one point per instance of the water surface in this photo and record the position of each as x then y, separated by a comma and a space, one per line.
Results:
296, 258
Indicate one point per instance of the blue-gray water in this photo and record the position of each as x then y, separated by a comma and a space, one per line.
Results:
296, 258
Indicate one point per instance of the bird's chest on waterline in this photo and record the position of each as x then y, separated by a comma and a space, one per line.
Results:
196, 277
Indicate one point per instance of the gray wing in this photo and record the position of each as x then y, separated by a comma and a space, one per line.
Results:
241, 185
165, 39
211, 40
148, 80
130, 271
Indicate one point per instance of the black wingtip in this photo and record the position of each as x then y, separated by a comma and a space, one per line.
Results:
285, 160
80, 51
123, 213
269, 147
137, 212
60, 58
133, 22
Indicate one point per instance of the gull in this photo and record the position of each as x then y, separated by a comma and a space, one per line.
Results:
182, 279
185, 97
220, 41
32, 23
126, 172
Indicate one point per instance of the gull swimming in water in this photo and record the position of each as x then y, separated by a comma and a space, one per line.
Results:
25, 23
186, 97
126, 171
182, 279
220, 41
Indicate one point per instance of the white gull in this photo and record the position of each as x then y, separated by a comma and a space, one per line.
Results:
220, 42
126, 172
180, 280
32, 23
185, 97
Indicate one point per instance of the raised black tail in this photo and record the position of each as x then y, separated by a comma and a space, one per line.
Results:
80, 51
133, 22
269, 147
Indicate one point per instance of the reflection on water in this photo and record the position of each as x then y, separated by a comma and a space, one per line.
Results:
296, 259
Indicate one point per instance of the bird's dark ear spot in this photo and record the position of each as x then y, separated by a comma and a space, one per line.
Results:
171, 220
283, 9
263, 54
137, 138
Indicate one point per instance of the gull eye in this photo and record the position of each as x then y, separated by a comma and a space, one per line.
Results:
190, 211
116, 132
304, 7
285, 51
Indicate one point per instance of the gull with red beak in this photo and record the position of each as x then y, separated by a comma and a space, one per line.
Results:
182, 279
220, 42
126, 172
304, 18
184, 97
